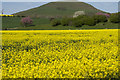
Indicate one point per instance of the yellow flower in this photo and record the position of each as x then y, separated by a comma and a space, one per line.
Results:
55, 54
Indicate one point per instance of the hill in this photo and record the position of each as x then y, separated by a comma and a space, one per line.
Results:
59, 9
40, 16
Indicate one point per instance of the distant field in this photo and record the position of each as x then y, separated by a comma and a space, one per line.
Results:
13, 22
44, 24
60, 54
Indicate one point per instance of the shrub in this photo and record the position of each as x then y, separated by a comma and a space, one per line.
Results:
55, 22
89, 21
114, 18
66, 21
81, 16
100, 18
84, 20
26, 21
77, 23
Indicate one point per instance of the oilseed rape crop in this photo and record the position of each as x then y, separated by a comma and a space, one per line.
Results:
60, 54
6, 15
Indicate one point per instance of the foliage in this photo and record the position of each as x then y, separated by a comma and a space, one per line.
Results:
26, 21
100, 18
55, 22
89, 21
77, 23
81, 17
66, 21
115, 18
60, 54
84, 20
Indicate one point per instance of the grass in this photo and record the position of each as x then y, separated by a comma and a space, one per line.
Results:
60, 9
13, 22
106, 25
10, 22
44, 24
60, 27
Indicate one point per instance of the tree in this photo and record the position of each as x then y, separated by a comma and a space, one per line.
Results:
89, 21
100, 18
26, 21
114, 18
77, 23
55, 22
66, 21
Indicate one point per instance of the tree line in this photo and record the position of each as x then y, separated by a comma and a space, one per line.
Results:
78, 21
87, 20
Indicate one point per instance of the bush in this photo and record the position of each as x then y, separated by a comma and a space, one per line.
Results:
77, 23
55, 22
81, 17
114, 18
89, 21
26, 21
84, 20
66, 21
100, 18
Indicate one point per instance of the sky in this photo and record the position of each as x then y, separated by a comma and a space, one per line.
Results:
11, 6
59, 0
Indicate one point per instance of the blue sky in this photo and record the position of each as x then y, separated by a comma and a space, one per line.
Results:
14, 7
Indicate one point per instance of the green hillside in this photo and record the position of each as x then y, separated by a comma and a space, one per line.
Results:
41, 15
59, 9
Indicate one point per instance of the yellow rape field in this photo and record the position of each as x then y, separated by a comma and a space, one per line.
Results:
6, 15
60, 54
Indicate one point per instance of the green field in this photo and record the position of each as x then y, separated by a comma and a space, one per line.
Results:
44, 24
13, 22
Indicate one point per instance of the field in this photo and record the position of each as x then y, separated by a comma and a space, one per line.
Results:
14, 22
60, 54
44, 24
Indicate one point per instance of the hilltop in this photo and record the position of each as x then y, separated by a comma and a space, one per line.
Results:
59, 9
